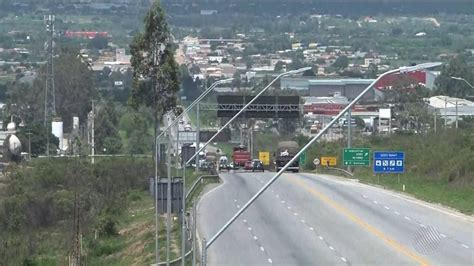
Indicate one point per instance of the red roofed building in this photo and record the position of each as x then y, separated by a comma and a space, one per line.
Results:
417, 77
85, 34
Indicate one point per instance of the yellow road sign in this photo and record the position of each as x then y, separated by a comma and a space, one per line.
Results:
328, 161
264, 156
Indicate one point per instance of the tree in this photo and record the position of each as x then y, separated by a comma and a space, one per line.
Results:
237, 81
279, 66
38, 139
371, 72
74, 87
397, 31
341, 62
309, 73
320, 61
296, 63
156, 81
194, 69
98, 43
188, 86
457, 67
106, 131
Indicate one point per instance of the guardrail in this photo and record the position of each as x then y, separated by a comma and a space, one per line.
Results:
340, 170
173, 261
194, 185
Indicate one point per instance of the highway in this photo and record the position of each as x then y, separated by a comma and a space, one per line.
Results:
307, 219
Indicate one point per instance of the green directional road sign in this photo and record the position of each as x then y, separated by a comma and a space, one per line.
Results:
302, 159
356, 156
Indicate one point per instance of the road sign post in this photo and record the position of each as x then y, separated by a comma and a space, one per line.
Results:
302, 159
356, 156
264, 157
389, 162
328, 161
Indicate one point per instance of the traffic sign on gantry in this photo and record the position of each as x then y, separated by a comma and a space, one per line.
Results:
356, 156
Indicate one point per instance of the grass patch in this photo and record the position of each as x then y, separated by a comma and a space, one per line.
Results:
438, 191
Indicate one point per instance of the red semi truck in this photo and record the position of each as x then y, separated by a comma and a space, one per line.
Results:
240, 155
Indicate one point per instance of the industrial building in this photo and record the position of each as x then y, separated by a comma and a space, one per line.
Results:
351, 87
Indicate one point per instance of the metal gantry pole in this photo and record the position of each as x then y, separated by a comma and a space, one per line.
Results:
183, 219
155, 191
168, 202
349, 128
204, 252
194, 233
198, 128
297, 155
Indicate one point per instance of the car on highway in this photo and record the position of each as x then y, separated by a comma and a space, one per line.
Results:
257, 165
248, 165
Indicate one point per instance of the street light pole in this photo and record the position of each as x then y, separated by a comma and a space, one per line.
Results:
157, 154
463, 79
244, 207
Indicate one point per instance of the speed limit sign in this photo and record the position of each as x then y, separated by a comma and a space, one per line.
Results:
316, 161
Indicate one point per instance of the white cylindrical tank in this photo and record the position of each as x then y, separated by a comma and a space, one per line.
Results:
57, 130
11, 127
14, 145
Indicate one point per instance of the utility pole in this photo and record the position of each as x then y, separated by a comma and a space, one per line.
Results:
445, 111
92, 133
29, 145
49, 91
456, 114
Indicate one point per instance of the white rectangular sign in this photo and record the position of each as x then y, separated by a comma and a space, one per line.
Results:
385, 113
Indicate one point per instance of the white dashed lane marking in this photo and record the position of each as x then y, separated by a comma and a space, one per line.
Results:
262, 249
417, 222
328, 245
270, 260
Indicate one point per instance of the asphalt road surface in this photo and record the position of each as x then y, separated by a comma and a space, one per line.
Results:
306, 219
